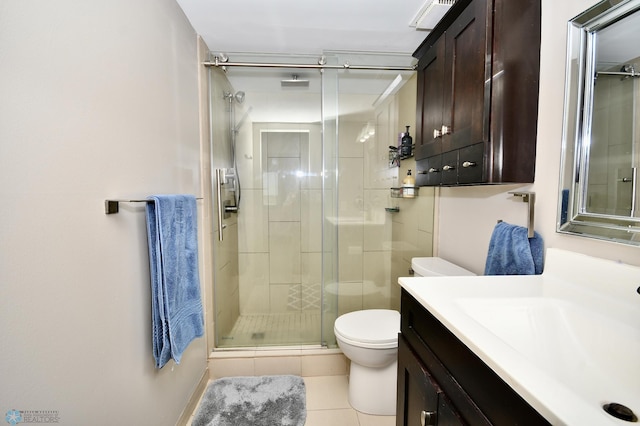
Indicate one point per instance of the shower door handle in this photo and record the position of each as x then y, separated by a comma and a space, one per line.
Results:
219, 177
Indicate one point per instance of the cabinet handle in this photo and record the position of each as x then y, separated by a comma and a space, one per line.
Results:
447, 168
468, 164
427, 418
446, 130
436, 133
433, 170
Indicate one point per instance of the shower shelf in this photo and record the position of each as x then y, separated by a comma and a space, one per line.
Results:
399, 192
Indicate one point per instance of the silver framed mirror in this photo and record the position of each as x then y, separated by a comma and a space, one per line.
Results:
599, 182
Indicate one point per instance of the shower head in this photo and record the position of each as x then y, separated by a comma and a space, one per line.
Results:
239, 96
294, 82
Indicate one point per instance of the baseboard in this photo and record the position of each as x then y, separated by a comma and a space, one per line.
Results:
194, 400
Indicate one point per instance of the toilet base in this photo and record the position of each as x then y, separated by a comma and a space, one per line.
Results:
373, 390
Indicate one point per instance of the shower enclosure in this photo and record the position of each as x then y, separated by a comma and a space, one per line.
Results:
275, 135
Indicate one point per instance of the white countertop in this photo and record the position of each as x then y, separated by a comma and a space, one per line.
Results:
567, 341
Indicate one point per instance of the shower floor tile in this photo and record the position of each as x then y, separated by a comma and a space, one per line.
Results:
275, 329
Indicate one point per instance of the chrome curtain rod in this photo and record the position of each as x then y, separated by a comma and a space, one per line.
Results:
346, 66
620, 73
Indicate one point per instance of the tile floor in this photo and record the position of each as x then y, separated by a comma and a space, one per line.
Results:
328, 404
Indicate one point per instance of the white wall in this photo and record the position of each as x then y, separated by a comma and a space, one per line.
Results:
98, 100
467, 215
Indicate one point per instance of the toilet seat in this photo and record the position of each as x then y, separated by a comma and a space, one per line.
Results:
371, 328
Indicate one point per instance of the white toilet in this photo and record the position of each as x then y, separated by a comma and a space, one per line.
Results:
369, 338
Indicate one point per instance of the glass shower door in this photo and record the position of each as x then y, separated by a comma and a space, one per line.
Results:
286, 173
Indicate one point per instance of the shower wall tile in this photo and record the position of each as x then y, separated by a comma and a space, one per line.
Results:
425, 244
283, 189
311, 158
285, 297
376, 295
349, 297
311, 282
248, 157
311, 218
376, 155
350, 188
282, 144
350, 252
311, 267
227, 287
426, 204
254, 282
284, 248
377, 235
377, 266
350, 145
377, 279
226, 250
223, 322
253, 224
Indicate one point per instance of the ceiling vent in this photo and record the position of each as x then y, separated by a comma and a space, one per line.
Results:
430, 14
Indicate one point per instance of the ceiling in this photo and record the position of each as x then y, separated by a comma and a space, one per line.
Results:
305, 26
301, 31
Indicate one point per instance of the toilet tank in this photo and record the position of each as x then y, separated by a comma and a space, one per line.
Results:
437, 267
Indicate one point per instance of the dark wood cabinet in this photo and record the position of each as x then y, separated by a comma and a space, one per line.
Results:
478, 73
423, 401
442, 382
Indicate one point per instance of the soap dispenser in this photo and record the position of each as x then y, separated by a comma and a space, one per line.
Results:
409, 186
406, 144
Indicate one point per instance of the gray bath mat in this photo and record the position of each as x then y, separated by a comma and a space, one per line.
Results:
251, 401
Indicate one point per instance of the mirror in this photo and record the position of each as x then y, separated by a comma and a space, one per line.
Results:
599, 182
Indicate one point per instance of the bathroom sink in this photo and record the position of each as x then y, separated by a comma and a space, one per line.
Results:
568, 341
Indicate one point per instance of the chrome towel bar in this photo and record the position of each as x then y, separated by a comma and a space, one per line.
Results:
113, 206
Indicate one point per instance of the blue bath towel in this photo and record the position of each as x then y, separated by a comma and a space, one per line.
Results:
176, 307
511, 252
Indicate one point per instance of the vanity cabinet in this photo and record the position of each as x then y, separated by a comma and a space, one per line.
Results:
477, 100
442, 382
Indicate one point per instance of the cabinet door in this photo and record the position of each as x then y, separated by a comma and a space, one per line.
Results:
421, 401
430, 93
447, 414
466, 106
417, 396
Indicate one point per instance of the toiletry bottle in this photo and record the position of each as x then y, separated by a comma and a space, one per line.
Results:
406, 145
409, 186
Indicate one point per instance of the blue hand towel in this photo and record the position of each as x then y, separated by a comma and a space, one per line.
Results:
511, 252
176, 307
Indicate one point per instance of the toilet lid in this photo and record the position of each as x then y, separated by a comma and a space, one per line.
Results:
369, 326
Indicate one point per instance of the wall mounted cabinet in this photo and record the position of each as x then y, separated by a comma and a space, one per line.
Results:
477, 100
